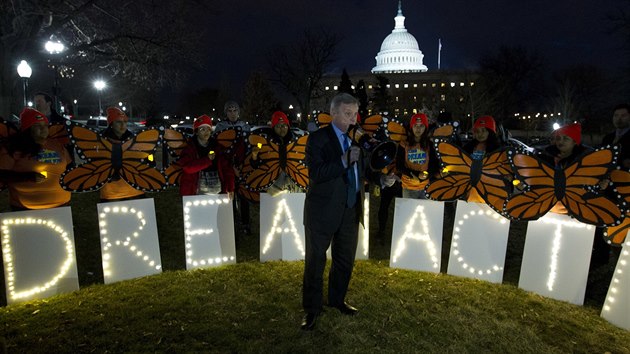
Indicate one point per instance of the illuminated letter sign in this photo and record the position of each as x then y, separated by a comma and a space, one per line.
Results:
281, 227
208, 242
617, 305
129, 239
555, 259
479, 243
38, 253
417, 235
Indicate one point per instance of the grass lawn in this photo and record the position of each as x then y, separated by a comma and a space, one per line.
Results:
255, 307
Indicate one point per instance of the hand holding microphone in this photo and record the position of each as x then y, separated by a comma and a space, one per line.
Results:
352, 155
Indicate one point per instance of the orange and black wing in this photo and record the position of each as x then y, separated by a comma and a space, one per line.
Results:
620, 180
6, 130
252, 196
295, 166
323, 119
582, 197
58, 132
539, 194
395, 130
372, 124
135, 169
229, 138
269, 164
444, 132
456, 169
616, 235
89, 143
493, 184
175, 141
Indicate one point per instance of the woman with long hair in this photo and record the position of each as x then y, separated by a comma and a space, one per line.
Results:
416, 160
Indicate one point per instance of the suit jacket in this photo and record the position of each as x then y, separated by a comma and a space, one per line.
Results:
328, 182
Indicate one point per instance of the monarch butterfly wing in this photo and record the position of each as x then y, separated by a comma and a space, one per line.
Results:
456, 183
449, 187
89, 144
142, 145
492, 185
175, 141
621, 182
323, 119
539, 194
58, 132
268, 170
444, 132
87, 177
395, 130
616, 235
372, 123
141, 176
582, 198
296, 168
173, 172
252, 196
227, 139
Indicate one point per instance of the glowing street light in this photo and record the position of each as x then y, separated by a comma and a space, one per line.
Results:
556, 126
25, 71
55, 47
99, 85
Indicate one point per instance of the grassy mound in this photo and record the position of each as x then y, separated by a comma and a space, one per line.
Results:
254, 307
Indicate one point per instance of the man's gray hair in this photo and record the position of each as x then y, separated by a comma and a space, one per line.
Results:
342, 98
230, 104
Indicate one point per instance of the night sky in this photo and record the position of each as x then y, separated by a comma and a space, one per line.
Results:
563, 31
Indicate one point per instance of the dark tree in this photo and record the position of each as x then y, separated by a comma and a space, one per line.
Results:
345, 85
259, 101
382, 99
362, 96
144, 43
299, 67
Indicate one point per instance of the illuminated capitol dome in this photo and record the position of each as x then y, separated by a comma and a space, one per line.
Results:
399, 52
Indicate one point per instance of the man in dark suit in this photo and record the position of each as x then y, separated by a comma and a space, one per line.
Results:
333, 210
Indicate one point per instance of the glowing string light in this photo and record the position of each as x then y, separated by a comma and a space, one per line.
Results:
557, 245
366, 222
190, 233
127, 242
283, 208
417, 236
9, 256
616, 282
456, 239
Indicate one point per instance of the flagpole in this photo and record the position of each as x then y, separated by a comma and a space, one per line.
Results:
439, 51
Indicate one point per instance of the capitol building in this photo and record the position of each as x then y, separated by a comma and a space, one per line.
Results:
400, 84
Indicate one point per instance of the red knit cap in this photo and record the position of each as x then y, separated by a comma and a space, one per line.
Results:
30, 116
419, 118
486, 122
573, 131
279, 117
202, 120
114, 114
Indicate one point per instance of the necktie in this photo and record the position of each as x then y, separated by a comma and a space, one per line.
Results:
352, 184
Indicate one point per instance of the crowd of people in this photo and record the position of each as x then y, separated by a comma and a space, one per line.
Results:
32, 162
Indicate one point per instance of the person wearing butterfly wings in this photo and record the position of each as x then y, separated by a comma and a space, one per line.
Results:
31, 164
281, 135
416, 160
117, 133
199, 172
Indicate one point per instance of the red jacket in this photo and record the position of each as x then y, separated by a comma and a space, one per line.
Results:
192, 163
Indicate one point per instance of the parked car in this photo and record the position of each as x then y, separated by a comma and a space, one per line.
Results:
98, 123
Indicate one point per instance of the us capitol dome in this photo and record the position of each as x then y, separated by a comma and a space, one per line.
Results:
399, 52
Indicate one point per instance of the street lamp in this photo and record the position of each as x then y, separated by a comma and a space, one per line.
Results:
99, 85
55, 47
25, 71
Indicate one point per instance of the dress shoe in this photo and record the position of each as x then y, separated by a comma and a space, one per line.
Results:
309, 321
346, 309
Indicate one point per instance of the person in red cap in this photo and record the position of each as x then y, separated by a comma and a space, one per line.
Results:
31, 165
566, 145
199, 170
280, 134
416, 159
485, 139
117, 133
